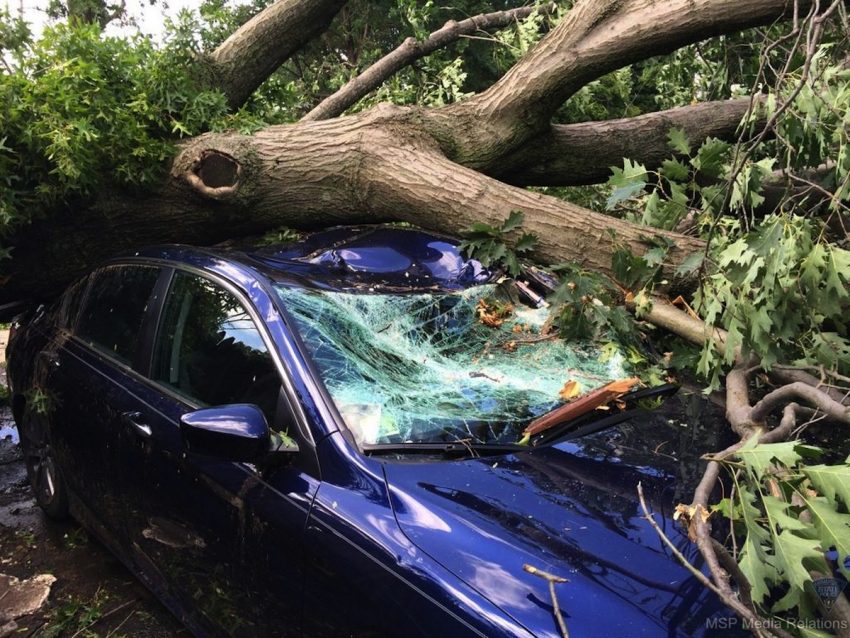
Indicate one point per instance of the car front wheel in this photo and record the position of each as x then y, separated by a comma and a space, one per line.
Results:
45, 477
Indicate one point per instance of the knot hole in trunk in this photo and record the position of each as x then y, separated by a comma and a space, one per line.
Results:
215, 174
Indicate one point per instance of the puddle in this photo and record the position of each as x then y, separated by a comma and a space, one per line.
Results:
9, 433
8, 429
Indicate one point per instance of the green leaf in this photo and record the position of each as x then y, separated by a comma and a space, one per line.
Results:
811, 271
738, 252
484, 229
777, 511
513, 221
761, 327
759, 572
795, 556
675, 170
833, 284
726, 508
833, 527
754, 560
833, 481
841, 258
626, 182
678, 141
711, 157
496, 251
526, 243
512, 264
655, 256
690, 264
760, 456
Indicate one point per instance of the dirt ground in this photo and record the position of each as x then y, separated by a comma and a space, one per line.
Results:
93, 595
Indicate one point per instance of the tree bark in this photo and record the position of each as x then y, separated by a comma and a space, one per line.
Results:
594, 39
574, 154
254, 51
373, 167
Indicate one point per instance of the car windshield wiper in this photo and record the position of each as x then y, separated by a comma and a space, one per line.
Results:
583, 425
596, 421
452, 450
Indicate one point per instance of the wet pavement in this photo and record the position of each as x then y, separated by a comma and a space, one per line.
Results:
66, 584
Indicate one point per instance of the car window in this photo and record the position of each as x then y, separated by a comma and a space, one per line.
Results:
115, 308
209, 349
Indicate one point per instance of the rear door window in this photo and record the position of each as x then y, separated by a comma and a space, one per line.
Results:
210, 350
115, 308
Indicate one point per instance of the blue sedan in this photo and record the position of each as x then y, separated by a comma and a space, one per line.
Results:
326, 438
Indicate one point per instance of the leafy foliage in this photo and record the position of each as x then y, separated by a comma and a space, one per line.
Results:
78, 107
777, 284
489, 244
780, 292
793, 519
281, 235
590, 307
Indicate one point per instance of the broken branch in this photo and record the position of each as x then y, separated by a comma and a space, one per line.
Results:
804, 392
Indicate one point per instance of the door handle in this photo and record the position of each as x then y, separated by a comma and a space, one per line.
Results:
136, 420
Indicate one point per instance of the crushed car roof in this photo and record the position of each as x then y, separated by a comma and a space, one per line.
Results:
384, 257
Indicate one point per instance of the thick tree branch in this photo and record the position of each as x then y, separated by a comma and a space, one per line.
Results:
404, 181
804, 392
571, 154
785, 375
738, 409
595, 38
253, 52
665, 315
408, 52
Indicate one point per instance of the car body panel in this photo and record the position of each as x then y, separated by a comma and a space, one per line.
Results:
536, 508
365, 563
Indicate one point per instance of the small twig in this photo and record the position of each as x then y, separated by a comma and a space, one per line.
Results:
552, 580
105, 616
121, 624
755, 621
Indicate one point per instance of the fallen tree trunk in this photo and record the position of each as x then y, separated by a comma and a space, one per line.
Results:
374, 167
425, 166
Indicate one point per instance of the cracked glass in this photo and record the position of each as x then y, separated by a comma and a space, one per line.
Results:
427, 367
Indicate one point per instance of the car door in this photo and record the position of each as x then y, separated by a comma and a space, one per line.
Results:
205, 530
92, 372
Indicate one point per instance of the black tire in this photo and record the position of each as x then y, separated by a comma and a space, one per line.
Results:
45, 476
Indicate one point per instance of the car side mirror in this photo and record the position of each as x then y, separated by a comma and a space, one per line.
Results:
237, 432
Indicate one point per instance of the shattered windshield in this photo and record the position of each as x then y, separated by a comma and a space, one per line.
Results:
439, 367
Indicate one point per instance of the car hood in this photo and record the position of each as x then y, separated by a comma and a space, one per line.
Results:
570, 510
